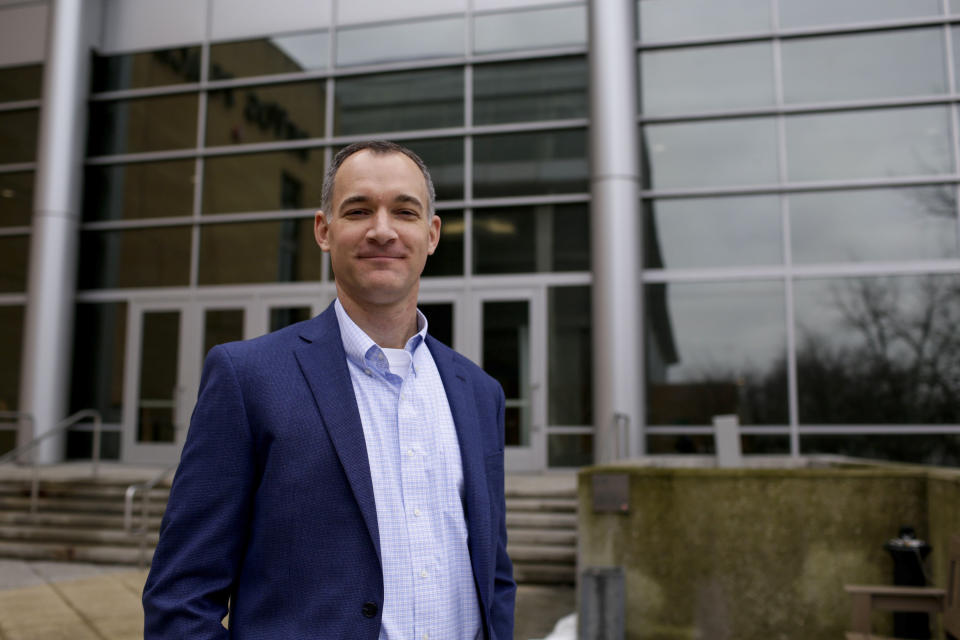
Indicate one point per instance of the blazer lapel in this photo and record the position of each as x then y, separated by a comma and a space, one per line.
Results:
324, 365
459, 392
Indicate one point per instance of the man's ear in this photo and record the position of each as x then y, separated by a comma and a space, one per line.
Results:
321, 229
434, 233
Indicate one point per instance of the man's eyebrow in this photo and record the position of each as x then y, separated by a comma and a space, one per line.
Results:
403, 198
408, 199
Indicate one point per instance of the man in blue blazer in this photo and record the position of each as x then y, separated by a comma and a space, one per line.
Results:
296, 508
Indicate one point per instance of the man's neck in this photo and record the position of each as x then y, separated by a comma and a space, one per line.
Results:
390, 326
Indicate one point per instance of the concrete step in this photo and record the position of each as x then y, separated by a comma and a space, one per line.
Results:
542, 536
76, 505
542, 553
74, 520
561, 505
27, 533
542, 520
95, 554
87, 489
533, 573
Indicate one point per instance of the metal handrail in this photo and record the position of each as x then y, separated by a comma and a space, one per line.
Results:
59, 428
621, 435
128, 497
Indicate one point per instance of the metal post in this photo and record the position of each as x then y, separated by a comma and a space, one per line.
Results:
48, 327
618, 383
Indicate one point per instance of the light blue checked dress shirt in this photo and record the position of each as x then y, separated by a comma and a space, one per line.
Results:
429, 591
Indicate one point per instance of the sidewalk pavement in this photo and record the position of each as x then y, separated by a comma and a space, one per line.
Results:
69, 601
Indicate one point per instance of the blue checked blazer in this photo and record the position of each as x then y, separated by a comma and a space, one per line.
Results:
272, 508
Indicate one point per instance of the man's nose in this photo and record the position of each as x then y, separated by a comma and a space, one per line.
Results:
381, 228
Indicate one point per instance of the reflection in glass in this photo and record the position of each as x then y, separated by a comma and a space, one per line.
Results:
439, 320
712, 232
530, 29
402, 41
146, 69
569, 449
878, 350
676, 19
263, 251
705, 445
710, 154
548, 89
942, 450
263, 181
447, 260
158, 257
805, 13
873, 65
143, 124
98, 359
220, 326
16, 199
14, 256
23, 82
11, 346
530, 163
706, 78
159, 355
399, 101
506, 357
267, 56
539, 238
281, 317
139, 190
879, 143
716, 348
876, 224
271, 113
570, 354
18, 135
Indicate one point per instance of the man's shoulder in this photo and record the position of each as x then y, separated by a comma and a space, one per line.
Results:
277, 341
440, 352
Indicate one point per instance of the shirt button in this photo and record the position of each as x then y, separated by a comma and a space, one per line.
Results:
368, 372
411, 452
416, 512
423, 573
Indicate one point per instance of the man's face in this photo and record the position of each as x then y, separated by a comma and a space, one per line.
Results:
379, 234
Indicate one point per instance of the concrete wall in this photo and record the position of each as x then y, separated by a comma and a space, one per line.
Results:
760, 553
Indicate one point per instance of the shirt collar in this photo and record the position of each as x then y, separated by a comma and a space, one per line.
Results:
363, 351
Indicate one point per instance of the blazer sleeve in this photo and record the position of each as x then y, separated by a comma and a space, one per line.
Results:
203, 532
504, 587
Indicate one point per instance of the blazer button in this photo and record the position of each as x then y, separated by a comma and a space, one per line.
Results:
369, 609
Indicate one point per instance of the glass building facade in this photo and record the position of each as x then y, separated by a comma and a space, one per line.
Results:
799, 170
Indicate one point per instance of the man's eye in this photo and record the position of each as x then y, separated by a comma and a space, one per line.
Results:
407, 213
354, 213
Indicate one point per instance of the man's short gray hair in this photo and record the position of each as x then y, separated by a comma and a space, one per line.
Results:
379, 147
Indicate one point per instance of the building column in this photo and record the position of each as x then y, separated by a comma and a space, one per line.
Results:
51, 284
618, 383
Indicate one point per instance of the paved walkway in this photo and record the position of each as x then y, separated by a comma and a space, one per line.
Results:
65, 601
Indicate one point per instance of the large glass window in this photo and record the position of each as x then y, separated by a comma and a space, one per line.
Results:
11, 346
16, 198
23, 82
263, 251
539, 238
447, 260
678, 19
530, 29
403, 41
706, 78
873, 65
267, 56
398, 101
14, 254
98, 359
712, 232
271, 113
711, 154
158, 257
878, 143
139, 190
713, 349
18, 135
263, 181
569, 342
146, 69
444, 158
878, 350
807, 13
530, 163
530, 90
914, 223
144, 124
